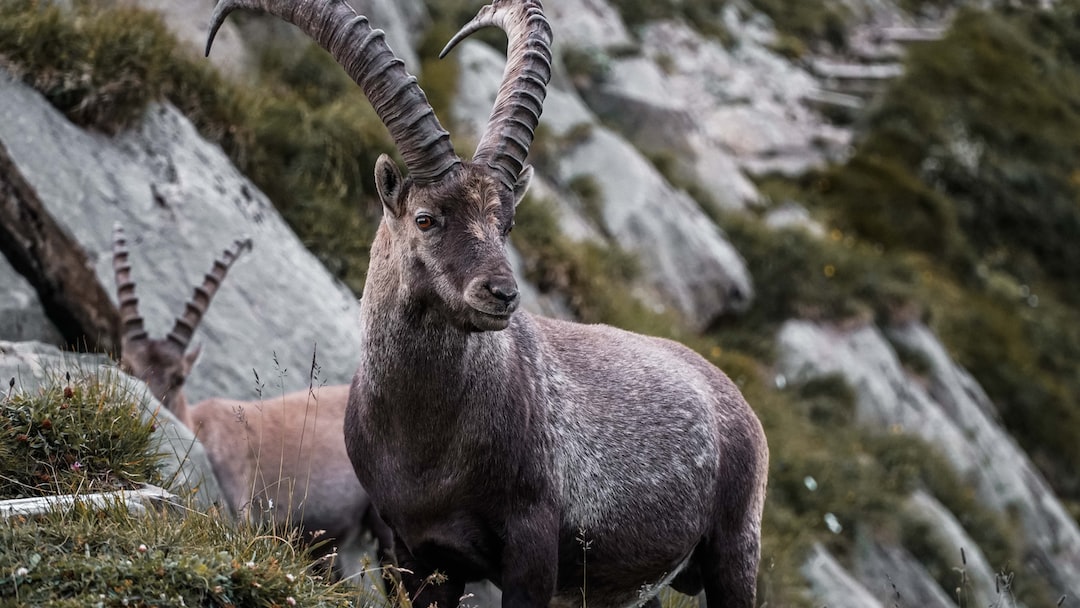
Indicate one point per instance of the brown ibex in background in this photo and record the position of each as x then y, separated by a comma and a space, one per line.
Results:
283, 457
567, 463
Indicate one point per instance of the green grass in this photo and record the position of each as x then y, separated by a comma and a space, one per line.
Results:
83, 557
88, 432
86, 435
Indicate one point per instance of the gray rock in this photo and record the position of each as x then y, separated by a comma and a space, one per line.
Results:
182, 202
22, 317
190, 23
793, 215
185, 466
949, 410
586, 24
951, 537
832, 585
237, 46
889, 571
687, 262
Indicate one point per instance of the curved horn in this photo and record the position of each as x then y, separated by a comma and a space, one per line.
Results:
397, 98
131, 321
509, 132
196, 307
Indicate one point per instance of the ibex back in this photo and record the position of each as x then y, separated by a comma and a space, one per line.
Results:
281, 458
568, 463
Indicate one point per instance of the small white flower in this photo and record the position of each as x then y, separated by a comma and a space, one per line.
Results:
142, 548
22, 571
290, 600
250, 565
289, 577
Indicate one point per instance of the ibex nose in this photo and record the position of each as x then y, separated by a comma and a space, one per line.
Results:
504, 290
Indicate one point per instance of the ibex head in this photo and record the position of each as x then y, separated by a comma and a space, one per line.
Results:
445, 224
163, 364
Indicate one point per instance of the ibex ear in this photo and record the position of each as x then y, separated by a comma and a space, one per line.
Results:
521, 186
388, 182
190, 357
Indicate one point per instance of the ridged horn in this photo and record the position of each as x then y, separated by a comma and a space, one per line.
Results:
399, 101
131, 322
195, 308
509, 132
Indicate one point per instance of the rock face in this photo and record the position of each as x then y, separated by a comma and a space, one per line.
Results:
832, 585
949, 410
687, 262
181, 203
22, 316
185, 465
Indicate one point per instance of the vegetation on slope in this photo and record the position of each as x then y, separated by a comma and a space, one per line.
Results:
908, 236
969, 164
89, 433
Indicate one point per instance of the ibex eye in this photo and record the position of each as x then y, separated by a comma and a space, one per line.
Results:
425, 222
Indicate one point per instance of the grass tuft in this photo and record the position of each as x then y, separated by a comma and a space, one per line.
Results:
86, 435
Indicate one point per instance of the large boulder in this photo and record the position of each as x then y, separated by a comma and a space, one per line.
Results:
832, 585
184, 465
181, 202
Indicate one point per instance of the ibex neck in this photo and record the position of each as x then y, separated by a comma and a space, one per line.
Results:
406, 347
178, 406
409, 347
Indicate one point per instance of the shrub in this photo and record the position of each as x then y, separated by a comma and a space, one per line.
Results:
88, 434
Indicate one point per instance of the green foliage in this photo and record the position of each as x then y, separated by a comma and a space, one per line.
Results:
878, 200
586, 67
591, 196
110, 557
969, 166
101, 67
87, 434
812, 20
799, 275
704, 15
439, 77
988, 117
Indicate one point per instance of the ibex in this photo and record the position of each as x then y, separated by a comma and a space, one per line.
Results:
567, 463
283, 457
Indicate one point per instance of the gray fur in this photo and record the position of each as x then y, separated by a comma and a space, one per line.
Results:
491, 440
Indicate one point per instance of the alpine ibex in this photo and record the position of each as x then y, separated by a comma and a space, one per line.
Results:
565, 462
283, 456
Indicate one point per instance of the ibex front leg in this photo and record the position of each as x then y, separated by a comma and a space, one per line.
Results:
531, 557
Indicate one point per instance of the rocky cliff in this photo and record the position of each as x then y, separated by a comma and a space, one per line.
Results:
692, 175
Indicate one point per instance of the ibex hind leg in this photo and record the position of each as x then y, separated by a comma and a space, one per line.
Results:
728, 565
